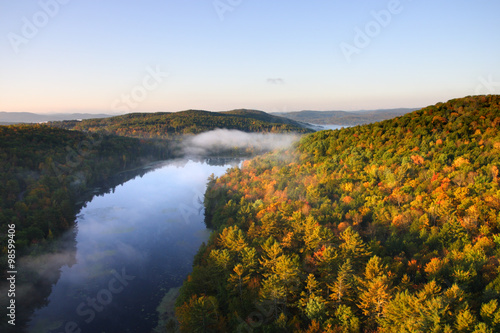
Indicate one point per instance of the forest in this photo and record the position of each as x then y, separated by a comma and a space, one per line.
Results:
387, 227
44, 171
165, 125
46, 168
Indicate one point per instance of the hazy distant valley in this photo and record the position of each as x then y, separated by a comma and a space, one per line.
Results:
345, 118
12, 118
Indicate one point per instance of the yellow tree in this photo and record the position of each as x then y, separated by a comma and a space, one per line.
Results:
375, 290
328, 261
342, 289
287, 270
272, 250
200, 314
311, 300
283, 277
312, 234
233, 239
273, 291
353, 247
238, 279
427, 311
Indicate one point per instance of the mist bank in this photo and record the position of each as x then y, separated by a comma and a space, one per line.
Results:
225, 141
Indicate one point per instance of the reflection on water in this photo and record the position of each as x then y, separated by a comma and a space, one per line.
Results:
133, 244
36, 277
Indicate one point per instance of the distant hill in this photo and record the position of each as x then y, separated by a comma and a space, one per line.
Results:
263, 116
168, 124
346, 118
10, 118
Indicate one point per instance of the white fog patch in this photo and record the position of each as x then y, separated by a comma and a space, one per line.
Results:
47, 264
224, 139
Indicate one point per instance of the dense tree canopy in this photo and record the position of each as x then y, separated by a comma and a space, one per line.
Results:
171, 124
44, 170
389, 227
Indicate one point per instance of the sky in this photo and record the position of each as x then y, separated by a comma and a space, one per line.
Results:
120, 56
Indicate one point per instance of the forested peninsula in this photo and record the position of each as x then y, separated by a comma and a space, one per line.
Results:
167, 125
387, 227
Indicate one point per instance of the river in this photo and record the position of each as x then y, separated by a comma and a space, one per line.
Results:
132, 246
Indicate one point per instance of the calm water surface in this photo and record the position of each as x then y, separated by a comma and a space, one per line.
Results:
132, 246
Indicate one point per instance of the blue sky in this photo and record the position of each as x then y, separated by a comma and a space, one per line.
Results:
170, 55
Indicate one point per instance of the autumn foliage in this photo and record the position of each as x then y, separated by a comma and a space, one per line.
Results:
387, 227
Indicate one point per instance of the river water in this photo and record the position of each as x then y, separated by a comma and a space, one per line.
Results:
133, 246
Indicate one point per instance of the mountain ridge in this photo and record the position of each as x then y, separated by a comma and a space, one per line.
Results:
168, 124
348, 118
12, 118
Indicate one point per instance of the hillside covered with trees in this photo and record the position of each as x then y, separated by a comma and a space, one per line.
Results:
44, 171
171, 124
387, 227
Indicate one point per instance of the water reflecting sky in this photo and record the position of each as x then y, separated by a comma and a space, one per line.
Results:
133, 245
